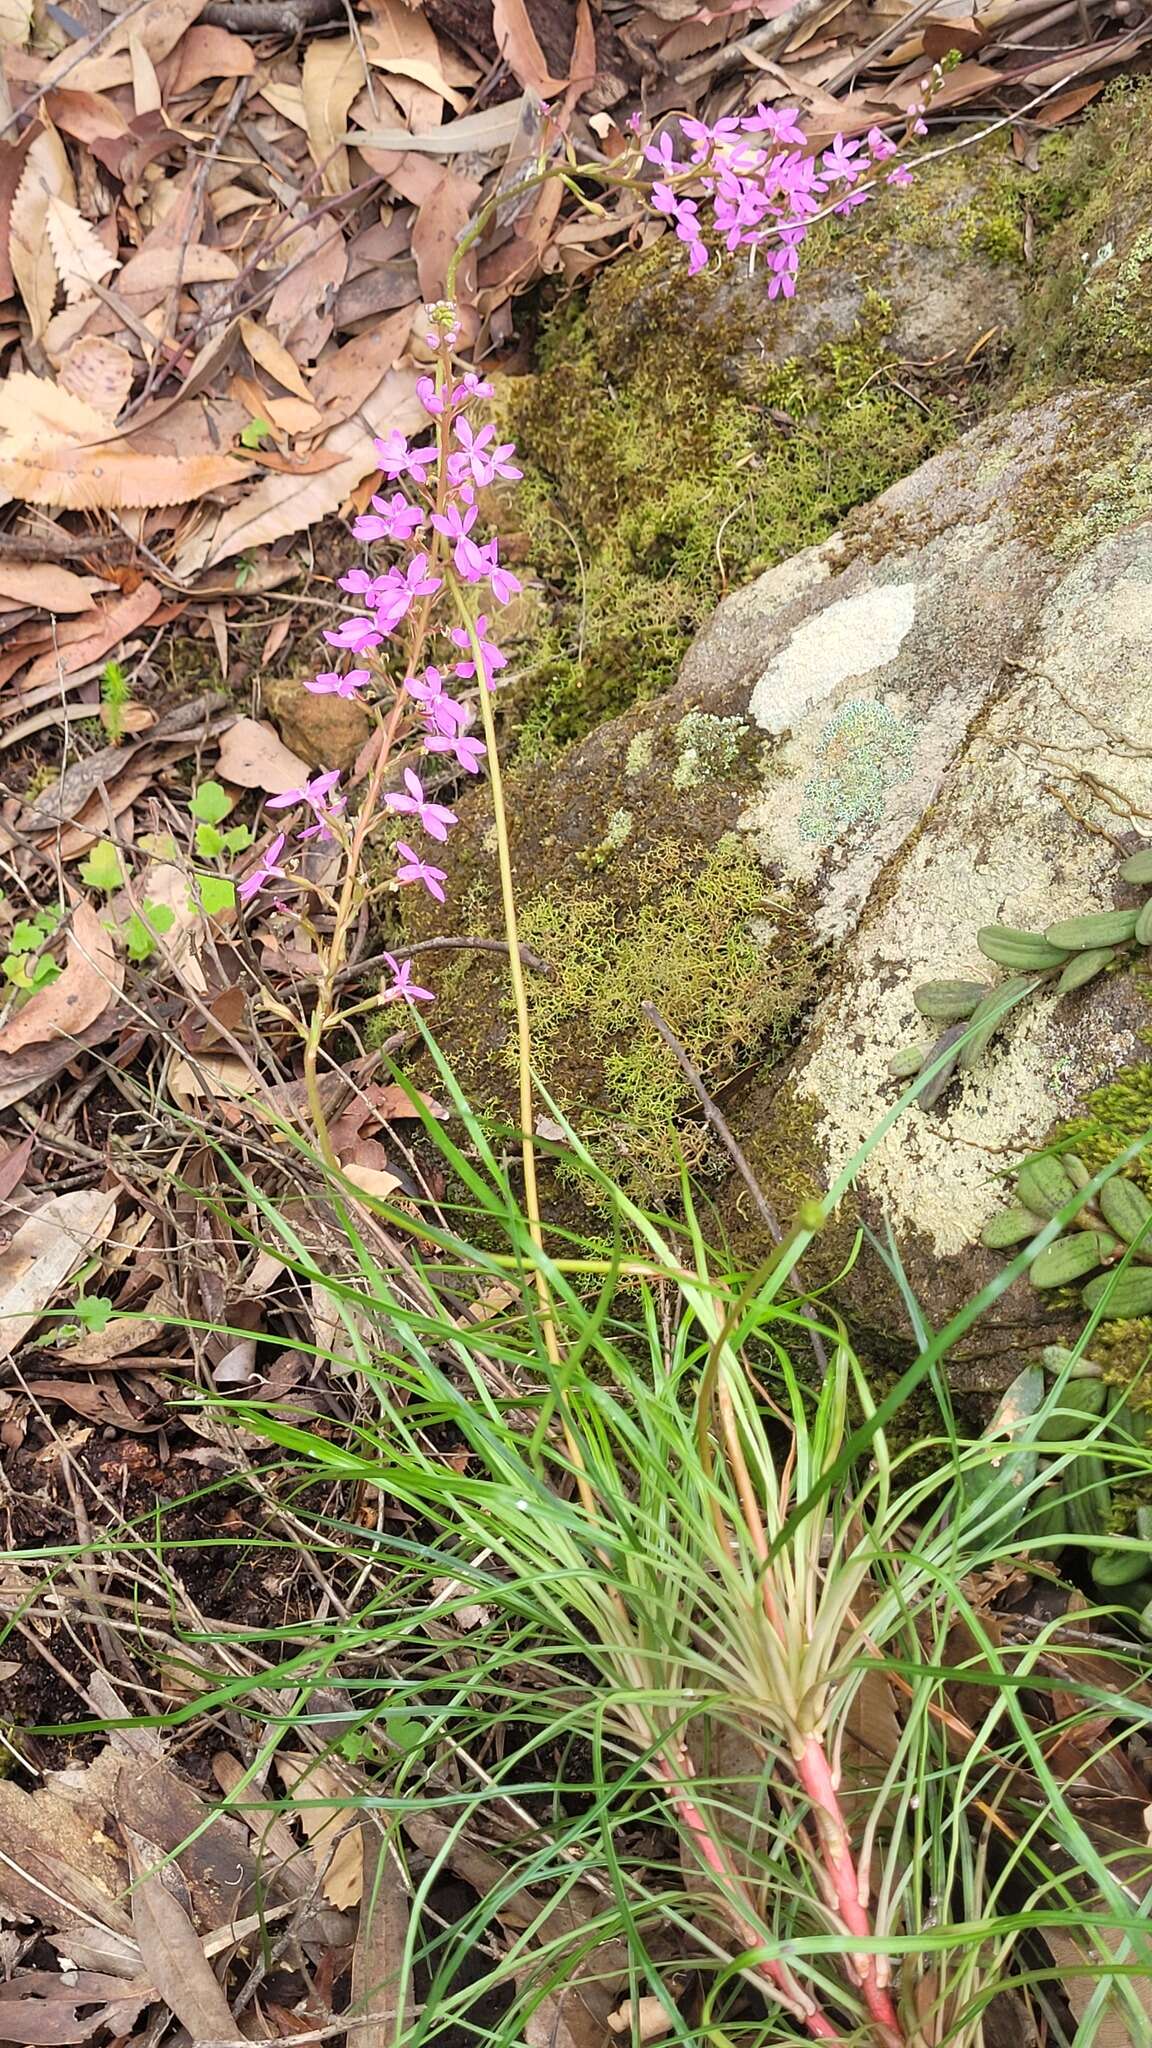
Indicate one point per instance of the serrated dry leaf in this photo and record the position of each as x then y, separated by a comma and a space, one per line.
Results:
332, 76
172, 1952
46, 175
99, 372
90, 980
80, 256
272, 356
114, 479
36, 413
254, 756
44, 1253
287, 504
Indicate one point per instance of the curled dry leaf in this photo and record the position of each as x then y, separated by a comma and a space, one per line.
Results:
272, 356
91, 979
253, 755
44, 1253
45, 2010
46, 176
80, 256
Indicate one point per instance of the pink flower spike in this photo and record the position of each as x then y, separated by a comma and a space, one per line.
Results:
504, 585
265, 870
404, 989
413, 869
468, 752
332, 684
436, 819
880, 144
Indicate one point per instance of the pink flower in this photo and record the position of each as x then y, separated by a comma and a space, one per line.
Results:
781, 123
478, 461
456, 525
900, 176
662, 153
413, 869
331, 684
472, 386
491, 657
398, 589
359, 633
435, 818
468, 752
504, 584
880, 144
404, 989
396, 458
432, 400
315, 795
393, 519
265, 870
838, 163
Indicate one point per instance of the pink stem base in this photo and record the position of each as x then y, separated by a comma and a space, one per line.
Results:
815, 1776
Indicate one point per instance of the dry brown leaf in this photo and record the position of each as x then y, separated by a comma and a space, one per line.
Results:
1080, 1964
46, 176
332, 76
158, 26
35, 413
402, 42
147, 97
44, 2009
44, 1253
80, 256
91, 978
206, 53
438, 226
170, 1947
287, 504
381, 1942
272, 356
332, 1829
517, 43
24, 1072
301, 308
646, 2019
344, 379
371, 1180
213, 1075
45, 584
99, 372
15, 22
253, 755
97, 636
156, 271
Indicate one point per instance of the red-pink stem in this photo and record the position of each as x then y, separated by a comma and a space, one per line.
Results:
788, 1990
815, 1775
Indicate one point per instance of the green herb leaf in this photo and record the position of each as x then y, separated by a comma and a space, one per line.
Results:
210, 803
102, 869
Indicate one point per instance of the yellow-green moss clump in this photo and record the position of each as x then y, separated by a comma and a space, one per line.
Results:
685, 941
1114, 1117
648, 492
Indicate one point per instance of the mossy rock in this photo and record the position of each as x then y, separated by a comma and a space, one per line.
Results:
932, 722
1090, 311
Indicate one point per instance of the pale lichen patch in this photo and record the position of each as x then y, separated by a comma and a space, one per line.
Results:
851, 638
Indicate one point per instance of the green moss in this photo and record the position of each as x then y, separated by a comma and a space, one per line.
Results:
1114, 1117
686, 945
659, 469
1091, 315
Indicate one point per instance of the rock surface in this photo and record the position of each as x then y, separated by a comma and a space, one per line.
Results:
935, 721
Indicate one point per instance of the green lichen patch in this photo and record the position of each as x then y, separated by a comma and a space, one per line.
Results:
651, 488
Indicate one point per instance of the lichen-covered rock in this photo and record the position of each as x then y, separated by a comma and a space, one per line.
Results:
936, 721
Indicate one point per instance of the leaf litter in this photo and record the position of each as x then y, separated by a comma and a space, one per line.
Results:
214, 244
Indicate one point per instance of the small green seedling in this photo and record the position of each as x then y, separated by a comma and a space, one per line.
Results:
27, 967
209, 806
142, 929
115, 693
212, 893
102, 869
255, 434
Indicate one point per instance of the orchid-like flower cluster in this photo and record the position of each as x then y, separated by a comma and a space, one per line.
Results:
761, 188
762, 185
434, 522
